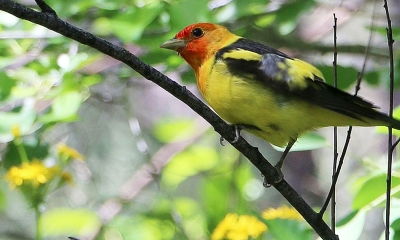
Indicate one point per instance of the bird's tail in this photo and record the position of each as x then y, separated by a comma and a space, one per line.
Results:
392, 122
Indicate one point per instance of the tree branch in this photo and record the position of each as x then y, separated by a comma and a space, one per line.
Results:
51, 21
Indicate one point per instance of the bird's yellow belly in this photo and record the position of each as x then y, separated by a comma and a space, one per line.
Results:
248, 103
270, 115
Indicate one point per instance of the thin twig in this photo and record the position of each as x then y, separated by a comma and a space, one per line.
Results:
390, 137
347, 141
45, 8
52, 22
395, 144
335, 131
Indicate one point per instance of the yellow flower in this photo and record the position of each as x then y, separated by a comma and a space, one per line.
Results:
69, 152
283, 212
235, 227
34, 172
16, 132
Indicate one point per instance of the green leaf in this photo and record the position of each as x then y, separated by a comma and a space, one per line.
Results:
172, 130
250, 188
190, 162
3, 200
352, 225
64, 107
287, 16
283, 229
91, 80
347, 76
193, 219
384, 129
216, 192
162, 56
34, 150
24, 119
308, 141
248, 8
69, 222
6, 84
373, 191
395, 226
182, 13
383, 31
134, 226
372, 77
395, 218
130, 26
188, 77
102, 26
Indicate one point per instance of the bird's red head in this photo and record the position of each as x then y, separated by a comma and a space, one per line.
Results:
198, 42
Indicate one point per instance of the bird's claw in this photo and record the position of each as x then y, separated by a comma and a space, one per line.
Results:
278, 169
221, 141
238, 128
267, 184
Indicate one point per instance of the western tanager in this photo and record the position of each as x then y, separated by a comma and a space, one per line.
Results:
264, 91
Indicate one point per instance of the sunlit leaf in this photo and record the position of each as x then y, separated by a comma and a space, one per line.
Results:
170, 130
188, 163
69, 222
91, 80
132, 227
373, 192
384, 129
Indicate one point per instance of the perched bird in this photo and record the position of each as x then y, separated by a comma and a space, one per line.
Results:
264, 91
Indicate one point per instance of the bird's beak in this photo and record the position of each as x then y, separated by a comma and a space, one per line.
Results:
173, 44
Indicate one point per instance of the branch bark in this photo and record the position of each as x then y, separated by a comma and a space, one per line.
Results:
48, 18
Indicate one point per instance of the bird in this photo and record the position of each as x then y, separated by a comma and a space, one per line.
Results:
266, 92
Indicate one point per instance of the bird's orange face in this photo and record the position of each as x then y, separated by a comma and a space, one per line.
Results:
197, 42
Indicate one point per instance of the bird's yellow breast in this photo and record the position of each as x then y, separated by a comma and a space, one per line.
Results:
275, 117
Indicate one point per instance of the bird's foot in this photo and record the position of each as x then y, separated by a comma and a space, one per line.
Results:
278, 169
267, 184
238, 128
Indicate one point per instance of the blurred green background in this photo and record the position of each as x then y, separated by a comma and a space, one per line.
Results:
152, 168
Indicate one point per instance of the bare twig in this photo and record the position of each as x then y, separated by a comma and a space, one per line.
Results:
336, 171
52, 22
390, 137
45, 8
335, 133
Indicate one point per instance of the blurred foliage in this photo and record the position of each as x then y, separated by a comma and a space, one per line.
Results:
152, 169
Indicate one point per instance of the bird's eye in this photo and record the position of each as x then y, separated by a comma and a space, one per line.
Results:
197, 32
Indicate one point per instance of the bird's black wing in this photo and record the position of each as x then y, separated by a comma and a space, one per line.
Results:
294, 78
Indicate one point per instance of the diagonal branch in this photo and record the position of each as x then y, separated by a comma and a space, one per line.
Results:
51, 21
